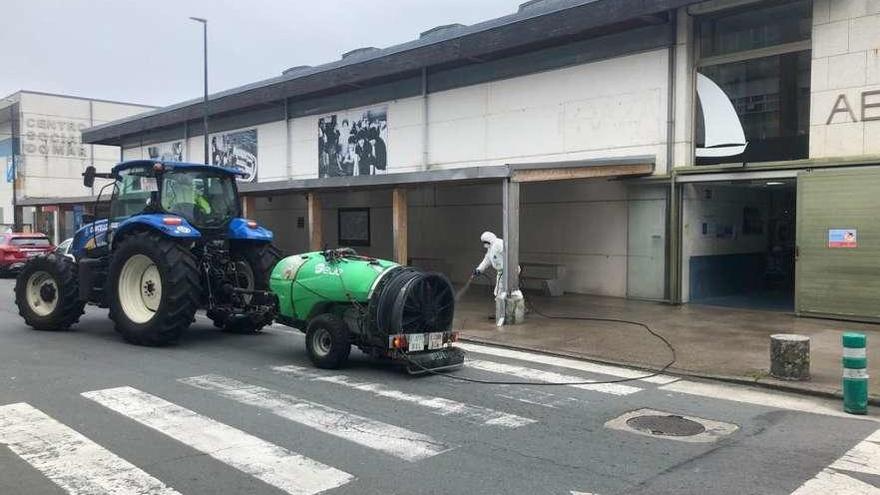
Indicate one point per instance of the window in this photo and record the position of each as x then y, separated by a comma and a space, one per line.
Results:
753, 85
354, 227
133, 191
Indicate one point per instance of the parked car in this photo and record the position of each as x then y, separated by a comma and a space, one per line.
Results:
64, 248
17, 248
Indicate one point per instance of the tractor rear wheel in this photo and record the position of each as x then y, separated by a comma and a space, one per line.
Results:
254, 264
327, 341
47, 293
154, 287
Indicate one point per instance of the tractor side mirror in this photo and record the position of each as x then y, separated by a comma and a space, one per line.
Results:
89, 176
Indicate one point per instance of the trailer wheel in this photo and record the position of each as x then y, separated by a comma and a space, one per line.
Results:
47, 293
154, 289
327, 341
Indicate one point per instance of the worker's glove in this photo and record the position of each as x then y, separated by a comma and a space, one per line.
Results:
476, 273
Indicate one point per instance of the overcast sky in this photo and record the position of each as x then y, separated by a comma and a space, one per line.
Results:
150, 52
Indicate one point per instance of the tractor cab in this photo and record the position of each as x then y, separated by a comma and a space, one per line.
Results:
206, 196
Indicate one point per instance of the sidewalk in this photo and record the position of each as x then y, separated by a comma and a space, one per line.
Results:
712, 342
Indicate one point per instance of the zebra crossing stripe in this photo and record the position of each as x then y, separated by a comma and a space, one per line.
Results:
863, 458
69, 459
561, 362
274, 465
393, 440
830, 482
441, 406
550, 376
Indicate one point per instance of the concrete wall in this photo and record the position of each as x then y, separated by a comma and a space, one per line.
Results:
53, 156
716, 204
609, 108
846, 63
581, 225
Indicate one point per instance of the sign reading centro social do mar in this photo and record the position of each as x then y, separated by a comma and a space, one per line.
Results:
52, 137
843, 238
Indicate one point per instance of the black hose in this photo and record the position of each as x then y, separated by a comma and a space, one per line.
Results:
652, 332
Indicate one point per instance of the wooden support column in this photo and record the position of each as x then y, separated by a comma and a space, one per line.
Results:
248, 206
399, 221
316, 230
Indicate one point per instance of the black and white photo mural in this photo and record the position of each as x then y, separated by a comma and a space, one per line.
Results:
236, 150
171, 152
353, 143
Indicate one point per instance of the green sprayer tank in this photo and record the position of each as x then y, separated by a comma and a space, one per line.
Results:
386, 297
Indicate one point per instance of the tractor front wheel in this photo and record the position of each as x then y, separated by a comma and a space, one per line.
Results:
327, 341
154, 289
47, 293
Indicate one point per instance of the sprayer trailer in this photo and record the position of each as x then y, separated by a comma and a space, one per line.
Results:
340, 299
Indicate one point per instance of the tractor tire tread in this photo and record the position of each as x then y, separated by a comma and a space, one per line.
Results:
181, 291
70, 308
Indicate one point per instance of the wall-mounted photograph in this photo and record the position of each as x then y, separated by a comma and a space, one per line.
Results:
353, 143
172, 151
236, 150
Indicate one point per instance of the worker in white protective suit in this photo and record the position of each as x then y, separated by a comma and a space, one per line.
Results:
495, 258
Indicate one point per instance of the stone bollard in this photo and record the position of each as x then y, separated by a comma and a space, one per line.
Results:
790, 356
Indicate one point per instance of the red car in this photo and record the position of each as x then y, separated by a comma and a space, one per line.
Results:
17, 248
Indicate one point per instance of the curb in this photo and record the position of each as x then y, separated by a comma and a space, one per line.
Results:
778, 386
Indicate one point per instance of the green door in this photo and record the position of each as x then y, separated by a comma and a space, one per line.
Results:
838, 239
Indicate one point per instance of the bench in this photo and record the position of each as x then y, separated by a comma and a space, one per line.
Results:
544, 276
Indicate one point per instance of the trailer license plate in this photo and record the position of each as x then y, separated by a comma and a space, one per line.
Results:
416, 342
435, 340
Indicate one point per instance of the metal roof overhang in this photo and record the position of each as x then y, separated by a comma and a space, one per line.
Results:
486, 40
608, 168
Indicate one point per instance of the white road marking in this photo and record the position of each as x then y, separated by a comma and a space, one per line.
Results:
562, 362
69, 459
863, 458
549, 376
758, 397
537, 397
277, 466
393, 440
830, 482
441, 406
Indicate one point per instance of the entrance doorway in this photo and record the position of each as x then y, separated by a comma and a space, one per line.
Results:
739, 243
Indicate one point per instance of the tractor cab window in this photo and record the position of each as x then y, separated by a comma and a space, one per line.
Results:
133, 192
203, 197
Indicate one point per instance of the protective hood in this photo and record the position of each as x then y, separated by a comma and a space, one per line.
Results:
488, 237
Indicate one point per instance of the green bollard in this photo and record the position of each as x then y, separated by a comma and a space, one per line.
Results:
855, 373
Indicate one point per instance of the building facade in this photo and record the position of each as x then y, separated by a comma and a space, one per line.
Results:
721, 152
43, 154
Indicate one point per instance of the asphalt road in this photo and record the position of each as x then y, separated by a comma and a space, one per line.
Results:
84, 412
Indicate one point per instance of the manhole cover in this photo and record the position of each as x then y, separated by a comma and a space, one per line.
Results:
669, 425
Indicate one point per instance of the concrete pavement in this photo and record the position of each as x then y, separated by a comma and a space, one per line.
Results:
84, 412
727, 343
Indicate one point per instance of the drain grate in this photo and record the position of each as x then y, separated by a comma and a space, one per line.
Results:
666, 425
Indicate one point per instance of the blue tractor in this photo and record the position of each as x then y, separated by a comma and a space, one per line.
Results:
172, 243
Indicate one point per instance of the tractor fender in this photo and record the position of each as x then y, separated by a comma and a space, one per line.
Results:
241, 229
155, 222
